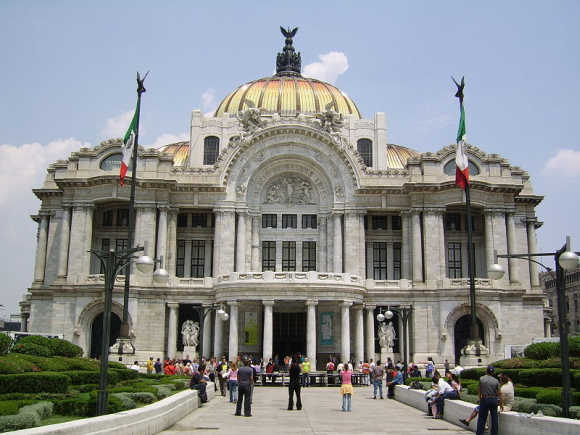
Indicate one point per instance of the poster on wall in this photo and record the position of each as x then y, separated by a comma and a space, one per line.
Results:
326, 329
251, 328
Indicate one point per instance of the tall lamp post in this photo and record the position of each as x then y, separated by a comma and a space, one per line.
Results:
113, 262
565, 260
404, 312
202, 312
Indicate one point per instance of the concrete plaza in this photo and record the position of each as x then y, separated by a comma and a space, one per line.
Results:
320, 414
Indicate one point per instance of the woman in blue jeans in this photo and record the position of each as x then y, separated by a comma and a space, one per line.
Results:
232, 375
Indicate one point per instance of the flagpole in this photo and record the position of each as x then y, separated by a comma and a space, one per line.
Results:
474, 333
131, 230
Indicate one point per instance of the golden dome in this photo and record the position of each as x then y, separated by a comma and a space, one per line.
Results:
288, 95
179, 151
397, 156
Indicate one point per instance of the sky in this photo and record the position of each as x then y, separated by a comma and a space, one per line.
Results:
67, 80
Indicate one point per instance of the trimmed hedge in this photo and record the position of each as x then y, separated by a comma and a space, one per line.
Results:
28, 416
544, 351
21, 363
65, 348
11, 407
540, 377
80, 377
34, 383
31, 349
409, 381
126, 401
5, 343
142, 397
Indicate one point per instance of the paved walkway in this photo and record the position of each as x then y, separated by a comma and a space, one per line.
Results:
321, 414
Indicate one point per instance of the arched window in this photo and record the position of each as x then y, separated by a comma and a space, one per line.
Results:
211, 150
365, 149
113, 162
449, 168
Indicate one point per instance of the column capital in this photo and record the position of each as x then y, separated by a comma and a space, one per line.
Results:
346, 304
268, 303
434, 210
173, 305
493, 211
336, 213
233, 303
370, 307
311, 302
406, 212
357, 307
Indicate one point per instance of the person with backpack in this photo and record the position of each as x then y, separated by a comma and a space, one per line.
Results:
377, 375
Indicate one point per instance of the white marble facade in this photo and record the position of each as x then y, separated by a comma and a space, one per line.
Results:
348, 239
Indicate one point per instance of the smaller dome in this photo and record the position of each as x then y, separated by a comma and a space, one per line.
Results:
397, 156
179, 151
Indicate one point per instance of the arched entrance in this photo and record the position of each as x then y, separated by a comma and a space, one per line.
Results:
97, 333
461, 334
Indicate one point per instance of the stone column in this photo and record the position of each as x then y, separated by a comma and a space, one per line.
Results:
217, 243
218, 349
206, 351
351, 243
77, 243
224, 242
268, 331
256, 264
358, 334
488, 216
162, 236
171, 241
405, 247
499, 235
533, 249
434, 244
511, 239
64, 242
88, 240
233, 345
417, 251
241, 243
311, 332
370, 344
345, 331
41, 246
172, 331
322, 252
337, 245
362, 246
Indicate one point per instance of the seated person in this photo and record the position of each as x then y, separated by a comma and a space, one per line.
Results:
199, 382
396, 379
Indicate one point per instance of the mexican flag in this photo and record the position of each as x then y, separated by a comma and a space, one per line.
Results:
461, 161
128, 142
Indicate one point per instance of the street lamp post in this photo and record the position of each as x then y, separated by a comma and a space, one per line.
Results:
202, 312
565, 260
112, 263
405, 313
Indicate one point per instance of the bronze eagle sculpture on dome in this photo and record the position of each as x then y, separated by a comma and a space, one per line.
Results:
288, 62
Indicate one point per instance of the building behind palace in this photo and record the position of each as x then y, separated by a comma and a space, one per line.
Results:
295, 213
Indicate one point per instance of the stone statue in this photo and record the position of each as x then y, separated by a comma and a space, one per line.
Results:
387, 336
190, 333
251, 118
290, 190
330, 120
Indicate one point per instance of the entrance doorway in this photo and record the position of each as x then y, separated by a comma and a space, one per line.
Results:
289, 334
97, 333
461, 334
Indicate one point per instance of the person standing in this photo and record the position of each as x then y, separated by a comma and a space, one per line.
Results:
346, 388
232, 375
489, 399
158, 367
294, 385
306, 373
377, 375
245, 384
221, 371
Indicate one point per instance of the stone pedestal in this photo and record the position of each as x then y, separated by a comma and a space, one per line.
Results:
474, 354
387, 353
191, 351
122, 348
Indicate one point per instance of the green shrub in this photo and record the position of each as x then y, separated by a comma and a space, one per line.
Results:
85, 388
550, 396
15, 363
524, 405
540, 377
142, 397
471, 398
79, 377
529, 392
125, 374
64, 348
117, 365
28, 416
31, 349
574, 411
42, 409
47, 364
79, 363
517, 363
11, 407
574, 346
473, 373
575, 375
409, 381
542, 350
163, 391
5, 343
126, 401
513, 374
34, 383
549, 409
134, 389
114, 405
77, 406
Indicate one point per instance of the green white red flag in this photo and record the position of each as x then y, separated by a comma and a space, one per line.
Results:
128, 143
461, 160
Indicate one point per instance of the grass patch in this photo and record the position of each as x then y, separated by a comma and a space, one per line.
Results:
55, 419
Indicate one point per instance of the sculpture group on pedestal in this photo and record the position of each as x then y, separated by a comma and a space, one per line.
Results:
190, 336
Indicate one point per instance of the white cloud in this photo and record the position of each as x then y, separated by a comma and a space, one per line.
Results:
208, 102
331, 65
566, 162
167, 138
117, 125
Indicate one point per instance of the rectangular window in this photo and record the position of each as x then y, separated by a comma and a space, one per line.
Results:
123, 217
289, 221
199, 220
108, 218
269, 221
288, 256
197, 258
182, 220
122, 245
105, 246
454, 260
308, 256
379, 260
379, 222
453, 222
269, 256
396, 222
309, 221
366, 222
180, 259
396, 261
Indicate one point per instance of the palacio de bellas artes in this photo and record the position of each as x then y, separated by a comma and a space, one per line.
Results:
292, 212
